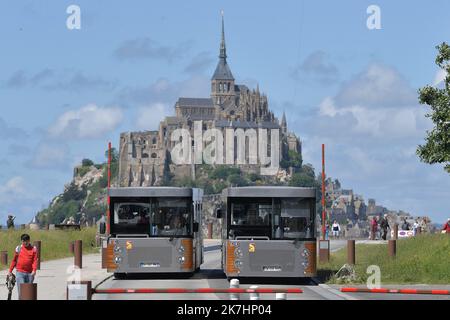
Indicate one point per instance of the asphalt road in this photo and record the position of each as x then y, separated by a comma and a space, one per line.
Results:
211, 276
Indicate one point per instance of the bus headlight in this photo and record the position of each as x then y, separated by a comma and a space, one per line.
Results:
181, 249
305, 264
238, 263
305, 253
117, 249
238, 252
181, 259
118, 260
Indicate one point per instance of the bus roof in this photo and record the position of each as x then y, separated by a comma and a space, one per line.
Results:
270, 191
150, 192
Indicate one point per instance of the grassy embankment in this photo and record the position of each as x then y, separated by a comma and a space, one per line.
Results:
55, 243
424, 259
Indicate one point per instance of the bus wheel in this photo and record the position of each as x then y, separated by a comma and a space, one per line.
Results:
120, 276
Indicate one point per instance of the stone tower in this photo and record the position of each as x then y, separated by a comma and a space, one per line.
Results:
283, 124
222, 81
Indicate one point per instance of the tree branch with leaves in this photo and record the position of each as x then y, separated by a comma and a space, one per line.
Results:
437, 146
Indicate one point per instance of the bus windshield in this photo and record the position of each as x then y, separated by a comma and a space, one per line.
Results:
293, 218
156, 217
272, 218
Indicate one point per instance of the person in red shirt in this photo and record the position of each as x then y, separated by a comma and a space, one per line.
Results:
446, 227
25, 261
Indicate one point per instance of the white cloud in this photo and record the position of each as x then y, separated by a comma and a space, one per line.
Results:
148, 118
164, 91
318, 68
13, 189
20, 197
51, 155
371, 129
439, 77
381, 122
377, 86
89, 121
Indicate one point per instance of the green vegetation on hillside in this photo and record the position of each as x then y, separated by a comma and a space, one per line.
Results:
89, 198
294, 160
54, 243
213, 179
424, 259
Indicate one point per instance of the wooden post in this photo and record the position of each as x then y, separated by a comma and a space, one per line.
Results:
37, 244
324, 251
351, 252
78, 257
4, 257
395, 231
210, 230
28, 291
392, 248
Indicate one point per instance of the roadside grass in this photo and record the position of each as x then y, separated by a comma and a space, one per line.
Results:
54, 243
424, 259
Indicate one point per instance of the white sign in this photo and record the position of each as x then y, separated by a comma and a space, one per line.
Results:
405, 233
323, 245
77, 291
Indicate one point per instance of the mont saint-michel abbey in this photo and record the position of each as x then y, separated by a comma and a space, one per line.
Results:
145, 156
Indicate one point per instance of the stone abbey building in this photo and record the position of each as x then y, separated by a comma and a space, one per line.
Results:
145, 156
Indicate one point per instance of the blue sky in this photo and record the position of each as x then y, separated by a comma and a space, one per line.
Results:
65, 93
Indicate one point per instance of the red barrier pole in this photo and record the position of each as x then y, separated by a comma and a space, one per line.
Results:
399, 291
109, 186
197, 290
323, 191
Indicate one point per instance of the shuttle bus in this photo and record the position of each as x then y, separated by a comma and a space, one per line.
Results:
268, 232
153, 230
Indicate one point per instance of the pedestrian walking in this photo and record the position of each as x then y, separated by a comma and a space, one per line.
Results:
416, 226
384, 226
405, 225
335, 228
446, 228
374, 228
423, 226
25, 262
83, 221
10, 222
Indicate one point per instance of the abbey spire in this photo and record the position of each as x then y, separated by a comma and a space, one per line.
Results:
223, 48
222, 81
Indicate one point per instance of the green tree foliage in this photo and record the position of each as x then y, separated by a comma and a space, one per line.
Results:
87, 162
167, 176
294, 160
337, 183
236, 180
437, 146
114, 155
61, 211
253, 177
224, 171
73, 193
305, 178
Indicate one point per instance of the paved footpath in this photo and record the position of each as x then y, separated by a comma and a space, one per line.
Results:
54, 274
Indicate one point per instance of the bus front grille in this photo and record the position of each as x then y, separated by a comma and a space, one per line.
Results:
271, 258
156, 256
